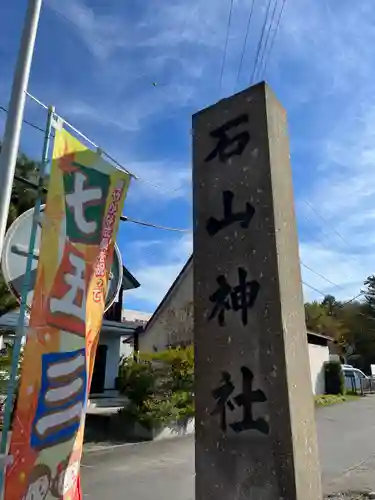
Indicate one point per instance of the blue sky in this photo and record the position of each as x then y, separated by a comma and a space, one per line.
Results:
97, 61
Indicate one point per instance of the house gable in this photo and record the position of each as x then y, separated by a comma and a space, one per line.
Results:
172, 322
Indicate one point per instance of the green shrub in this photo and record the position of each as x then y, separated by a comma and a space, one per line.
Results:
334, 378
330, 399
136, 380
159, 387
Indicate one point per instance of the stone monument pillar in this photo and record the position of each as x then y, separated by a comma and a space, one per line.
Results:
255, 424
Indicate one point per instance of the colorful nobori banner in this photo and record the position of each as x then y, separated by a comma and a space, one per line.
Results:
84, 204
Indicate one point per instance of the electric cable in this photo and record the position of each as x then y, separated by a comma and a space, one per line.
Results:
261, 57
245, 43
273, 39
226, 45
260, 41
123, 218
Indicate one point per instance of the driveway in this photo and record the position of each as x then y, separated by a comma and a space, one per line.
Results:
161, 470
346, 434
166, 469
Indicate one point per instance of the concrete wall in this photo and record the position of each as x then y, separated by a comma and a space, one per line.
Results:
318, 356
173, 322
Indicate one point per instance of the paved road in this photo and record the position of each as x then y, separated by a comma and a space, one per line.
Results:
159, 470
166, 469
347, 445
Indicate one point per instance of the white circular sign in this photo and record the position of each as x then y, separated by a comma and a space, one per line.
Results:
15, 251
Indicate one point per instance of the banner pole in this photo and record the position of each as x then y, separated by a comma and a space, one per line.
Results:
25, 290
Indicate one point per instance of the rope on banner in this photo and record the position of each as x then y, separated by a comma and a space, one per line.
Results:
102, 151
36, 100
83, 136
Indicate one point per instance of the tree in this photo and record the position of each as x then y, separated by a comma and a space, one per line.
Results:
360, 321
330, 303
314, 313
6, 355
321, 318
23, 198
370, 295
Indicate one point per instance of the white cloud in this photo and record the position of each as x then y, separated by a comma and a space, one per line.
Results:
158, 179
156, 279
101, 34
345, 189
178, 46
332, 44
322, 66
344, 273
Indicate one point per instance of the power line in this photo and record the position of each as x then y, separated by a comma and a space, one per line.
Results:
226, 45
136, 177
321, 276
325, 220
148, 224
245, 43
273, 37
83, 136
260, 41
332, 229
313, 288
328, 236
268, 35
351, 300
151, 225
104, 153
124, 218
25, 121
325, 294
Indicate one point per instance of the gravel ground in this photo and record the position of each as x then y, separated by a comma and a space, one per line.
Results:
349, 496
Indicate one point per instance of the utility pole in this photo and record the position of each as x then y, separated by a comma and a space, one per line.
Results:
9, 151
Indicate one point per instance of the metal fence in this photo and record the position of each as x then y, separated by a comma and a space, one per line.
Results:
359, 385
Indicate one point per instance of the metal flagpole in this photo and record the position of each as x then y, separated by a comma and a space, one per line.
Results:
25, 289
9, 150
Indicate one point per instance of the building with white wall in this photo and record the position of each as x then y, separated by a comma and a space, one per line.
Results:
319, 354
114, 329
172, 325
172, 322
136, 319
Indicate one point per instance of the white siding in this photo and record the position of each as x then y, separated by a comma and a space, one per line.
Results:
318, 356
113, 356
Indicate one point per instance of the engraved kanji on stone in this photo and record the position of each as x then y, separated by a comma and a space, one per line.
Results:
222, 395
241, 297
228, 146
246, 399
244, 217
